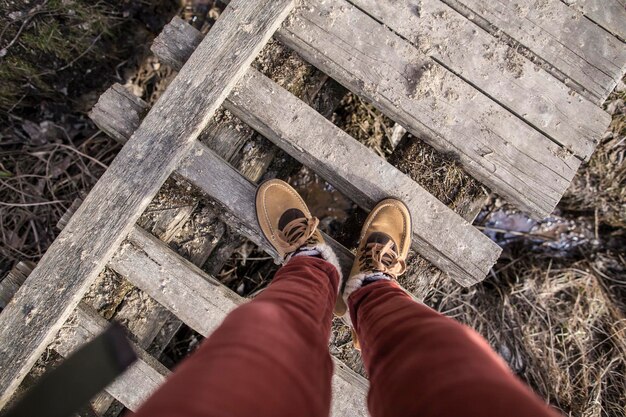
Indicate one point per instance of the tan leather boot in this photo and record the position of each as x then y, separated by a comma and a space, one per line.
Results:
285, 218
289, 226
383, 246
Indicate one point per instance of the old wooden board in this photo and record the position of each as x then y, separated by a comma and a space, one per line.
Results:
206, 170
202, 303
198, 299
461, 250
610, 14
496, 69
492, 144
167, 133
584, 52
439, 234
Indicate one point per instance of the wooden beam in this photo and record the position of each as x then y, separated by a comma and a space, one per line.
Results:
168, 132
496, 69
610, 14
206, 170
202, 303
492, 144
462, 251
559, 35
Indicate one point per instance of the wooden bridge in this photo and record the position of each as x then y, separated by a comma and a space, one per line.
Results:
512, 89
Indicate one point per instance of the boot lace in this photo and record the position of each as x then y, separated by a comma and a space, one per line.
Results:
381, 258
297, 233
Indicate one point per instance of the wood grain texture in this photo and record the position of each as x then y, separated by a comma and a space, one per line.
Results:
202, 303
112, 107
492, 144
496, 69
137, 383
50, 294
13, 281
439, 234
610, 14
562, 37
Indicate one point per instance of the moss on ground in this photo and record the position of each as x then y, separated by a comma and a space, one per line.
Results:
55, 50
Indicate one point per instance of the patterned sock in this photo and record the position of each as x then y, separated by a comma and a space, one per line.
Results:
376, 276
304, 251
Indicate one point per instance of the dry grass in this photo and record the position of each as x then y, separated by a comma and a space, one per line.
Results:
365, 123
557, 327
600, 187
440, 174
559, 318
38, 183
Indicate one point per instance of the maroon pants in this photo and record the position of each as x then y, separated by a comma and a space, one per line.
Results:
270, 358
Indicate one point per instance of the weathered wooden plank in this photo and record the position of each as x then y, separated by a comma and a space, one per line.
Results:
170, 53
13, 281
610, 14
461, 250
136, 384
559, 35
439, 234
112, 107
84, 324
496, 69
168, 132
492, 144
202, 303
203, 168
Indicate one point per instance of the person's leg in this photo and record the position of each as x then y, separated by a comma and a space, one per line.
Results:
422, 363
268, 358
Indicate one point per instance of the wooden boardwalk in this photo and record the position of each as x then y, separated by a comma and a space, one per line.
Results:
512, 89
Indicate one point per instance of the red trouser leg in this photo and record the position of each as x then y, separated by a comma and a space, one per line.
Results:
268, 358
424, 364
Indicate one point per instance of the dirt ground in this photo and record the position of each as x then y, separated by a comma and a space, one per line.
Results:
553, 307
